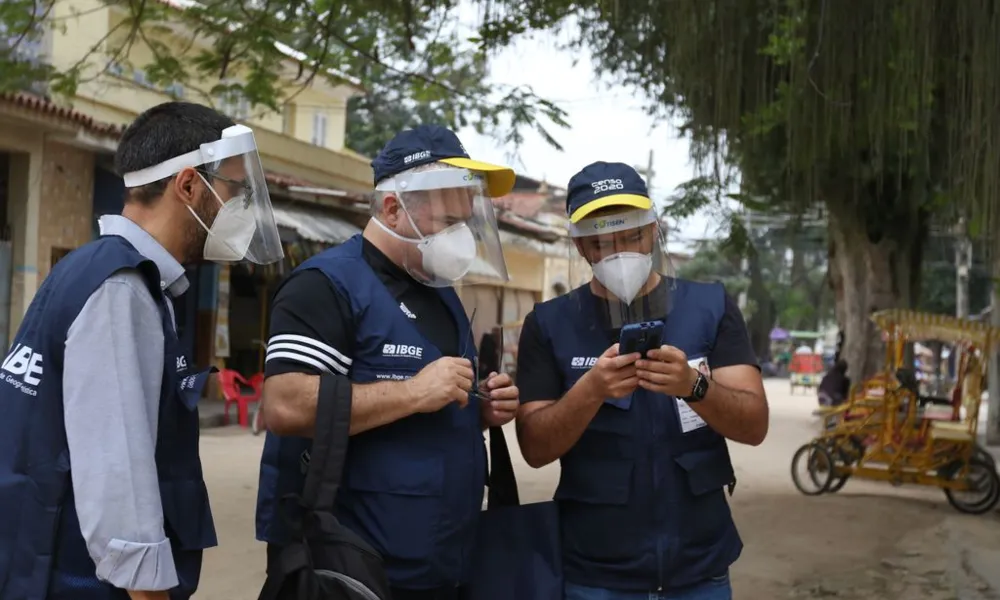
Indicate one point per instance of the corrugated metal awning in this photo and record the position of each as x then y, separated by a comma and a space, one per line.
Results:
313, 224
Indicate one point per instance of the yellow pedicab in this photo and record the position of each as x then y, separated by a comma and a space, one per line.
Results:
887, 431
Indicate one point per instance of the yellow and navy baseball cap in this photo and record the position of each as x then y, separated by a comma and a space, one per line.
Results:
602, 185
431, 143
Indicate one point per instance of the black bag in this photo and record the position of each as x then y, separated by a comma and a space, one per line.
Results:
518, 553
325, 560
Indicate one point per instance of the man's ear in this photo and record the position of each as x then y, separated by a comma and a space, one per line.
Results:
187, 186
390, 209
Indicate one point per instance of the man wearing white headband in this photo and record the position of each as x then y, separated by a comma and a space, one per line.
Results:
377, 316
634, 381
101, 485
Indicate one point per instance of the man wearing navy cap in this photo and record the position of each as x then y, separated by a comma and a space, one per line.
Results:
379, 311
634, 381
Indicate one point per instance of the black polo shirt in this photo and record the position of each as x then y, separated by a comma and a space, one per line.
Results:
317, 326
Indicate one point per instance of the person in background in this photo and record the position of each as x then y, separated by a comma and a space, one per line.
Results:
641, 440
101, 483
835, 385
379, 313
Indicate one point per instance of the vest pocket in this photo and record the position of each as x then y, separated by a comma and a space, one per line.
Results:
593, 498
186, 514
707, 515
397, 503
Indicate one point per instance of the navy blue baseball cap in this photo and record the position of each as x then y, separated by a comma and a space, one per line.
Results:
602, 184
431, 143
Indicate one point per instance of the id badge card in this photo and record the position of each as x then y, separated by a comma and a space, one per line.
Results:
690, 420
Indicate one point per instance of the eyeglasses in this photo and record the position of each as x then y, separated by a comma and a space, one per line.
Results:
241, 186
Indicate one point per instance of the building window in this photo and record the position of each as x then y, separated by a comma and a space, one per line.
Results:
175, 91
319, 128
30, 44
233, 103
288, 119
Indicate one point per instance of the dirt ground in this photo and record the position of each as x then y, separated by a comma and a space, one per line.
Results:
870, 541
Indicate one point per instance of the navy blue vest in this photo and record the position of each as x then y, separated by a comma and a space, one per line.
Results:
641, 504
42, 552
413, 488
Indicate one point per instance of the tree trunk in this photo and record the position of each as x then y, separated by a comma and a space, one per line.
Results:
869, 276
763, 317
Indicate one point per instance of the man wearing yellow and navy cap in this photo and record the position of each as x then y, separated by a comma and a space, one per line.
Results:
634, 381
376, 319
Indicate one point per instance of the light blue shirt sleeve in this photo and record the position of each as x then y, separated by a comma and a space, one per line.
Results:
112, 376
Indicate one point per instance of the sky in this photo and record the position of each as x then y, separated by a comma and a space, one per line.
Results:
606, 121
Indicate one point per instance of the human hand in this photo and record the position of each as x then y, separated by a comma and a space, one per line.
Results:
613, 375
440, 383
500, 398
665, 370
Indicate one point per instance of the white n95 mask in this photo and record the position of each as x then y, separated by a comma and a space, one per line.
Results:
231, 232
624, 274
448, 254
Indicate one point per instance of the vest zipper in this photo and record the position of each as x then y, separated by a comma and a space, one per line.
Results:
659, 564
655, 489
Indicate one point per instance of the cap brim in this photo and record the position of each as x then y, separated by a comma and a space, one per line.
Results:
629, 200
499, 180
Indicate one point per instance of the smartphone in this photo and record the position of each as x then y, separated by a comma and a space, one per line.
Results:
640, 337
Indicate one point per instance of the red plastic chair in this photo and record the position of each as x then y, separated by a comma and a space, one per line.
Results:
232, 384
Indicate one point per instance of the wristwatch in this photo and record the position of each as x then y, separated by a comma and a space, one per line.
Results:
699, 389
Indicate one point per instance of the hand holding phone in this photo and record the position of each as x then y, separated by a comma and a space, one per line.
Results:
640, 337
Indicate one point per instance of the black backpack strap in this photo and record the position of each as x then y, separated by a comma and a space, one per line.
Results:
329, 447
502, 484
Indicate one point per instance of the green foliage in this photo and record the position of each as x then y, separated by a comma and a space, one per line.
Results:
410, 57
789, 261
938, 289
873, 108
21, 29
711, 262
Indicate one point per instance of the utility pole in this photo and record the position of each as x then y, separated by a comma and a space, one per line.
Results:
647, 171
993, 416
963, 265
745, 264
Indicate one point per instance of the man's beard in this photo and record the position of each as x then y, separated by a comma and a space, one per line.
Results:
194, 234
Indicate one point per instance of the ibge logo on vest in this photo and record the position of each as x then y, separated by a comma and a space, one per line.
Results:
399, 351
23, 368
583, 362
402, 351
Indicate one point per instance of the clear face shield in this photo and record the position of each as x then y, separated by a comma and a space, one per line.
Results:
449, 224
632, 278
244, 226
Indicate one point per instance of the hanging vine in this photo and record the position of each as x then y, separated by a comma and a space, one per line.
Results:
846, 91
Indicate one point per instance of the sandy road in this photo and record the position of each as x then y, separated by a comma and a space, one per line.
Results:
870, 541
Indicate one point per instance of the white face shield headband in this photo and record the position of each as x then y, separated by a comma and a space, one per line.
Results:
244, 226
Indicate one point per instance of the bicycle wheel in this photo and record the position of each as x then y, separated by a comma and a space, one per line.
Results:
819, 465
984, 479
842, 458
981, 453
